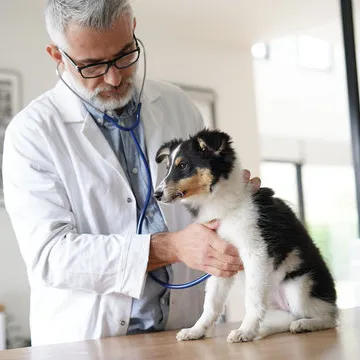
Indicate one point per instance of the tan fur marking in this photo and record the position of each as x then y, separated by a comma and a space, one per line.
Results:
178, 160
198, 184
172, 190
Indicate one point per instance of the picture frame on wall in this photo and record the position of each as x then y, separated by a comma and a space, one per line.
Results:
10, 105
205, 100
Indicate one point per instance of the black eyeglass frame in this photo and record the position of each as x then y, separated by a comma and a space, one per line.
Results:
109, 63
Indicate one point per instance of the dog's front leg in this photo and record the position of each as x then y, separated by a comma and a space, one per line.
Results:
217, 290
256, 293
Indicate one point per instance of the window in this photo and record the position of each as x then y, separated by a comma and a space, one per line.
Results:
329, 213
331, 218
260, 51
282, 178
314, 53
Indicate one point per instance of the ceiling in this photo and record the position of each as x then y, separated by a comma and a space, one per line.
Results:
237, 22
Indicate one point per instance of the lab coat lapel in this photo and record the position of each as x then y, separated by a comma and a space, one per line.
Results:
101, 145
156, 133
152, 120
75, 112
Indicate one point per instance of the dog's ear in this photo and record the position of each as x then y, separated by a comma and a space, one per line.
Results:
212, 141
162, 153
166, 149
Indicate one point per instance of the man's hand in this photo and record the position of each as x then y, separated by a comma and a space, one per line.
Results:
199, 247
254, 182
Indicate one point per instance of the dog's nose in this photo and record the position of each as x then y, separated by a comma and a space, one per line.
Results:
158, 194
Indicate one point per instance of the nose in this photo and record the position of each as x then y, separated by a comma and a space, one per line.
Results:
158, 194
113, 76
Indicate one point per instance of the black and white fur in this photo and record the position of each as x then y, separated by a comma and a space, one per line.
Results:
288, 286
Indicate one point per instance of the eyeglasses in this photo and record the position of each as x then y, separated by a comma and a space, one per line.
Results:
123, 61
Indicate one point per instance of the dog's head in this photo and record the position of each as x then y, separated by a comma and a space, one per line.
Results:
194, 165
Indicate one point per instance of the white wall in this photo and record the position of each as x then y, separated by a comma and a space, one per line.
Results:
227, 71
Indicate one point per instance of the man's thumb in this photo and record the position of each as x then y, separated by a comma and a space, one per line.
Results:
213, 224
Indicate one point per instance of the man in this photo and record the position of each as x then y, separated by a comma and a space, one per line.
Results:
74, 187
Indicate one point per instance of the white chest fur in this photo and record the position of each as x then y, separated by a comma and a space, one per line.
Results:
238, 222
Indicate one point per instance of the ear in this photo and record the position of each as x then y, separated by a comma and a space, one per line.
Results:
54, 53
212, 141
162, 153
166, 149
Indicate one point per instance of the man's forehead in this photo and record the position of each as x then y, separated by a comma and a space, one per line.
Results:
86, 43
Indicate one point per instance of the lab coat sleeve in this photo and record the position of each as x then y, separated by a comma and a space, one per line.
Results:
55, 254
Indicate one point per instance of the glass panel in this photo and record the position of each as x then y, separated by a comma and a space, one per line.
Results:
281, 177
314, 53
331, 217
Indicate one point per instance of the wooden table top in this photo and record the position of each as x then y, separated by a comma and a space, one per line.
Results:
336, 344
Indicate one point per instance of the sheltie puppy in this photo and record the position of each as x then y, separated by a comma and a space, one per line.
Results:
288, 286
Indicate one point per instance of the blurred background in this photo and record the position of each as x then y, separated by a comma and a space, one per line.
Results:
271, 73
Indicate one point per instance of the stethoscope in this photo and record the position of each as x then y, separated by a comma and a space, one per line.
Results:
131, 129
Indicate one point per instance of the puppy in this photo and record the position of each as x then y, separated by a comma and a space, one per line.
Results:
288, 286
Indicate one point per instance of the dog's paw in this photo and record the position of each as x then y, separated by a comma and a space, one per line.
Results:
190, 334
299, 326
240, 335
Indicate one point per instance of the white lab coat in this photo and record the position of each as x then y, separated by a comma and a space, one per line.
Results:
74, 215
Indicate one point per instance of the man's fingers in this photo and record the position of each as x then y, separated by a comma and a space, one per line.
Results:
212, 225
246, 175
226, 264
219, 273
256, 183
224, 247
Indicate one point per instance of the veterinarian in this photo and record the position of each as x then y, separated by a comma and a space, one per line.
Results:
74, 187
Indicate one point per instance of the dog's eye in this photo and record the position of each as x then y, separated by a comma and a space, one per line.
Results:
182, 166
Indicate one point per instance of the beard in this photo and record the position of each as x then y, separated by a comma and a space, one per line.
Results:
118, 97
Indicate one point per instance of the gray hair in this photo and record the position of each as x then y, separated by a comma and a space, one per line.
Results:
98, 14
